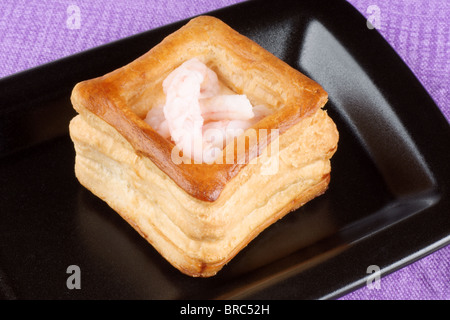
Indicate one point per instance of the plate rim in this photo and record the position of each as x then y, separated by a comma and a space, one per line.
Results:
429, 245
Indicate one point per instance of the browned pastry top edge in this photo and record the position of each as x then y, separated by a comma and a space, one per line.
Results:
205, 182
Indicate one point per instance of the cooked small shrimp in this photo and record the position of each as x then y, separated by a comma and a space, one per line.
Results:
182, 109
201, 115
155, 118
209, 86
226, 107
214, 133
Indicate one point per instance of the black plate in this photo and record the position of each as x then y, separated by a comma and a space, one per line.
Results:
387, 204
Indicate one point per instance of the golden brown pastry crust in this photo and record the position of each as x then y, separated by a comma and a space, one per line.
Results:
199, 237
122, 97
199, 216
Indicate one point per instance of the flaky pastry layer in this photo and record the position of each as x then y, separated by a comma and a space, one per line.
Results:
199, 237
199, 216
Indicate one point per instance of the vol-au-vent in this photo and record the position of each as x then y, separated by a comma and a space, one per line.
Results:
222, 102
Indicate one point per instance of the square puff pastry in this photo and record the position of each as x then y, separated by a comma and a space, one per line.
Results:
199, 216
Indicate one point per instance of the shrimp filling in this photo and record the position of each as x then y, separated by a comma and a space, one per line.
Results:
200, 113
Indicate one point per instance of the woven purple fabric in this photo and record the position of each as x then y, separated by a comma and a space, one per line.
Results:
34, 32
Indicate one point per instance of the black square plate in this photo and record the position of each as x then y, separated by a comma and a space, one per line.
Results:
387, 204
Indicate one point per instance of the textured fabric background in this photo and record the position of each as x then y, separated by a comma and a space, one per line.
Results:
34, 32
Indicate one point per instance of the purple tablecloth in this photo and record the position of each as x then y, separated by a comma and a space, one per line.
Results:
33, 32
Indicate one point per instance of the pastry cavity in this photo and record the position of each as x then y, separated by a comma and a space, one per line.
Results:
201, 114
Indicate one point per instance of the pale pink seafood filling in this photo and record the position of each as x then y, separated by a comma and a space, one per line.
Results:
200, 114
